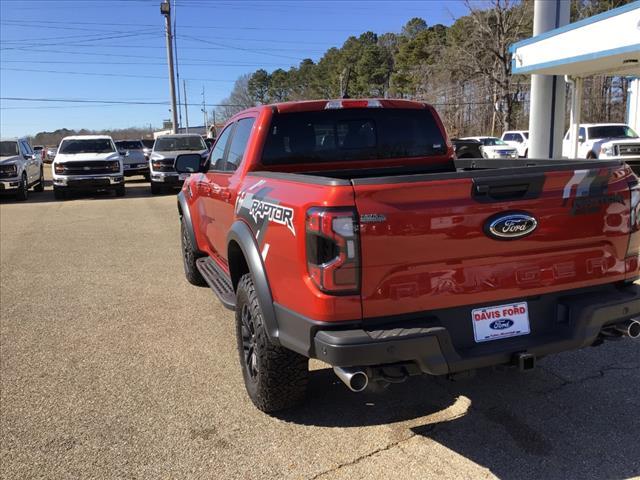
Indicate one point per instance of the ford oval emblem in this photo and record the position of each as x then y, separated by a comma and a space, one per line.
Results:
511, 226
501, 324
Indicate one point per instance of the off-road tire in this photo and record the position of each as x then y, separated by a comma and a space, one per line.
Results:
156, 189
59, 194
120, 191
40, 185
189, 257
275, 378
23, 189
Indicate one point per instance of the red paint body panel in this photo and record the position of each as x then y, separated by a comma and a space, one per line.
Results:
431, 252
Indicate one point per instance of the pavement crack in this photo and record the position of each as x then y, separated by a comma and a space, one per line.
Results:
366, 455
598, 374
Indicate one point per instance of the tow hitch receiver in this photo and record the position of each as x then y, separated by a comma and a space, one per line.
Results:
525, 361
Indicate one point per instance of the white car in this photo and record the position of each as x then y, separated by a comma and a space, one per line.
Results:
493, 147
87, 162
606, 141
518, 139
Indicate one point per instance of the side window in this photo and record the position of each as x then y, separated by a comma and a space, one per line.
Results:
517, 137
582, 133
239, 143
26, 149
217, 154
508, 137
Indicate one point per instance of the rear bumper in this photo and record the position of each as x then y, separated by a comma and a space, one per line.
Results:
437, 347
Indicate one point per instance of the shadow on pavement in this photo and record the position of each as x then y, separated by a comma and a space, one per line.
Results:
134, 189
532, 425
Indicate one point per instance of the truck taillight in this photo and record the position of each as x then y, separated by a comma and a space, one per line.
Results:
635, 206
634, 219
333, 250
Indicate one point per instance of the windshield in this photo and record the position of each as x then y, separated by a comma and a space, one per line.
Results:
96, 145
491, 141
129, 145
8, 149
352, 134
172, 144
148, 143
612, 131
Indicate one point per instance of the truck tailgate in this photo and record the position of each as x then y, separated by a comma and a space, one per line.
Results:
425, 243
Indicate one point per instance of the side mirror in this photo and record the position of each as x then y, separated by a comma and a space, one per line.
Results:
188, 163
580, 139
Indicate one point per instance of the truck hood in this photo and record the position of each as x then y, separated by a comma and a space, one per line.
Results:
157, 155
495, 148
86, 157
599, 143
134, 157
11, 158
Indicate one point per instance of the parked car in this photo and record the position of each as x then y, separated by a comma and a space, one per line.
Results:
518, 139
492, 147
606, 141
148, 147
135, 162
165, 150
345, 230
87, 162
40, 150
51, 154
465, 148
20, 168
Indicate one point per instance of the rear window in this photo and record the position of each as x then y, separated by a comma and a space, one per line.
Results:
129, 145
171, 144
96, 145
8, 149
352, 134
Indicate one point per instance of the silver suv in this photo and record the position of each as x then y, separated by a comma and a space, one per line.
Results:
20, 168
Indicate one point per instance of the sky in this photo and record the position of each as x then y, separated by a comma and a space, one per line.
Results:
115, 51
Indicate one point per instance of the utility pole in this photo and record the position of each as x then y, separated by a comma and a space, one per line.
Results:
204, 112
186, 103
165, 9
175, 52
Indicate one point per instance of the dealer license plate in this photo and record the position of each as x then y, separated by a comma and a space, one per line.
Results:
502, 321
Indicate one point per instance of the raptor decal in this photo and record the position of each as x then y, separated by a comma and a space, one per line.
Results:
259, 210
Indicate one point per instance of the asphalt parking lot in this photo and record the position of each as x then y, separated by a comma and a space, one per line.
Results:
113, 366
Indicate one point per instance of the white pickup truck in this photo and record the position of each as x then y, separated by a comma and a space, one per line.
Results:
606, 141
87, 162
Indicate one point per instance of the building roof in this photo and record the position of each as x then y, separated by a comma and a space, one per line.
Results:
607, 43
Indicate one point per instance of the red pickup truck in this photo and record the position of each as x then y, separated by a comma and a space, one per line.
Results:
346, 230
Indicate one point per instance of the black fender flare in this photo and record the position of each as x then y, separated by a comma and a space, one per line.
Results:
243, 236
185, 215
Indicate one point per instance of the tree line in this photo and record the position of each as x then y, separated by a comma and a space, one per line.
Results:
464, 70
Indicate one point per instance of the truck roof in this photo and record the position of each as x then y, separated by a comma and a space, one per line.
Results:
88, 137
603, 124
179, 135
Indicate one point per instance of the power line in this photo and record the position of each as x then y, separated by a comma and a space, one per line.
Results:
81, 62
106, 74
114, 102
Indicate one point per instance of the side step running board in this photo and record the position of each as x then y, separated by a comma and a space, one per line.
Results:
218, 280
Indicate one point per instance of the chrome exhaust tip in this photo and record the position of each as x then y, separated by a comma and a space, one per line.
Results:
354, 378
630, 328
